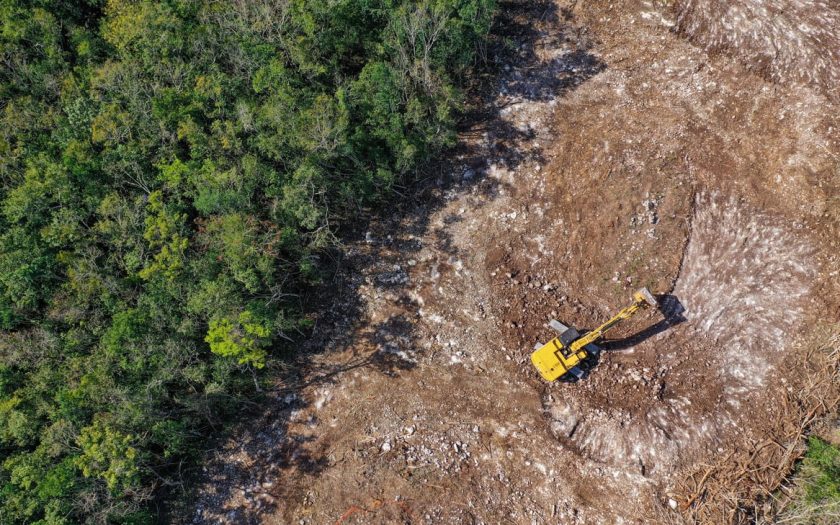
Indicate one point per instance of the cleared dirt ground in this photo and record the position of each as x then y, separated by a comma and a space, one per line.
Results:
617, 155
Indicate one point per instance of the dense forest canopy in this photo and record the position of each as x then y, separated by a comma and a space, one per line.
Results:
170, 172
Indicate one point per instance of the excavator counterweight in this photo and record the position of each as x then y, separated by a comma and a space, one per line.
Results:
561, 355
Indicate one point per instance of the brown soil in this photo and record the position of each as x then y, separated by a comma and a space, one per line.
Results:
618, 155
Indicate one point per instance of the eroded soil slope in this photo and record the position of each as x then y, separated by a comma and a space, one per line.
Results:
617, 156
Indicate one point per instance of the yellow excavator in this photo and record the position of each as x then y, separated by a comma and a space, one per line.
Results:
561, 355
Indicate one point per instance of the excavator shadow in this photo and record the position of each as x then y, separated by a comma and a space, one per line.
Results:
672, 314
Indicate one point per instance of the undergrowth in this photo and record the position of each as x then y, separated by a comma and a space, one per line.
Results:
817, 486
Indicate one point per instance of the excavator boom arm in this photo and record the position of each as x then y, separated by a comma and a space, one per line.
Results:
599, 332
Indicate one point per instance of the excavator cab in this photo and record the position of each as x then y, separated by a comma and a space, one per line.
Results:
569, 336
556, 358
563, 354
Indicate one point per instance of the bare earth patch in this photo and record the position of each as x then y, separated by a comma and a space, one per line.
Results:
617, 155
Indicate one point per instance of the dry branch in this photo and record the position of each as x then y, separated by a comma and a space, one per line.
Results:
739, 488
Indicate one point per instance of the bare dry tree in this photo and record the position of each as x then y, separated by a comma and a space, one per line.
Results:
417, 31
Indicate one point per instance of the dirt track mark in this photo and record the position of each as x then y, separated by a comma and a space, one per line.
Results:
743, 284
786, 40
742, 292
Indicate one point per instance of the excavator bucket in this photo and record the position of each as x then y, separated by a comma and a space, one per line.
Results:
644, 294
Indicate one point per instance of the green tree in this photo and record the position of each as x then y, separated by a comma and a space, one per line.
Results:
243, 338
170, 172
108, 454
